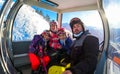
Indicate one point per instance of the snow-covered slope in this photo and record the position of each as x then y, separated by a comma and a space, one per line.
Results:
28, 23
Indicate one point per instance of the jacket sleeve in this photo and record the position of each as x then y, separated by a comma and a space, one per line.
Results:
34, 43
68, 44
88, 64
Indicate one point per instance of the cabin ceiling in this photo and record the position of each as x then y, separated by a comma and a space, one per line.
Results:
66, 5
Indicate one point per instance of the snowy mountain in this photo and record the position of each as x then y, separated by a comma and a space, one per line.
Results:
28, 23
93, 30
66, 26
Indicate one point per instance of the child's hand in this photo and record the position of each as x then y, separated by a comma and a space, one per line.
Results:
59, 46
67, 72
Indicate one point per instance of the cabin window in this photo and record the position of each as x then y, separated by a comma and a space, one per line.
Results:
112, 11
2, 3
31, 20
91, 20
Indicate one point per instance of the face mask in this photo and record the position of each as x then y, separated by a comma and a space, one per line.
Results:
77, 35
62, 42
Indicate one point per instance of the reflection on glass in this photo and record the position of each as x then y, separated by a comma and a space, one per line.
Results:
91, 21
8, 9
47, 14
112, 11
1, 3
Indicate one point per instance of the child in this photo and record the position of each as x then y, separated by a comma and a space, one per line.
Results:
54, 44
65, 43
37, 52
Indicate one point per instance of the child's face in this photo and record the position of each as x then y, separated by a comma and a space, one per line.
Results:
53, 27
62, 36
46, 37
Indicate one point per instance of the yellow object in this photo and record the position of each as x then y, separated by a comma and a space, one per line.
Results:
62, 60
68, 65
57, 69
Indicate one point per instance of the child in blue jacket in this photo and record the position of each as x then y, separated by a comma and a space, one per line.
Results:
65, 43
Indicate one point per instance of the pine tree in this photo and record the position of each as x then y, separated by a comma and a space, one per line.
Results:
47, 18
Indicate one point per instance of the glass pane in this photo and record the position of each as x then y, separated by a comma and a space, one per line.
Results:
47, 14
8, 9
112, 10
91, 20
35, 21
1, 3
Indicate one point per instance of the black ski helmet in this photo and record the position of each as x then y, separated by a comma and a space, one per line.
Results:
76, 20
